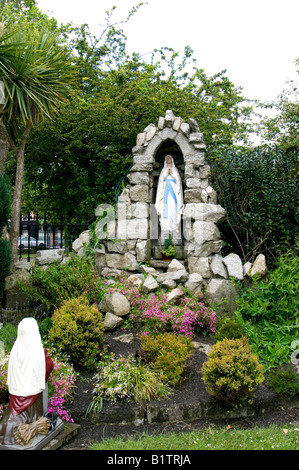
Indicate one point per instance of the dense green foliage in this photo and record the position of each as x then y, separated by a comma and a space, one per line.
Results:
168, 354
232, 372
228, 328
77, 329
269, 313
283, 381
5, 252
259, 190
8, 335
63, 281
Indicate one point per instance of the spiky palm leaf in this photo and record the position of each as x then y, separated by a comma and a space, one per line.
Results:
36, 75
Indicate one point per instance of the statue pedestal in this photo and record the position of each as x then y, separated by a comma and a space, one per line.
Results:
39, 441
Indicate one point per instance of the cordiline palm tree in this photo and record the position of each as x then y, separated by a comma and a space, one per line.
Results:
37, 77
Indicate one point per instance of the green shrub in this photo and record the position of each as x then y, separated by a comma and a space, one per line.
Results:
269, 313
168, 354
228, 328
77, 328
64, 281
259, 190
126, 378
232, 372
8, 334
283, 381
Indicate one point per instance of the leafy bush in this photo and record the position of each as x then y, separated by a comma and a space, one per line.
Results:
168, 354
130, 379
269, 313
8, 334
77, 329
283, 381
232, 372
259, 191
64, 281
228, 328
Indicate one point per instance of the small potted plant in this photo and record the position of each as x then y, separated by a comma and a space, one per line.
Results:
168, 251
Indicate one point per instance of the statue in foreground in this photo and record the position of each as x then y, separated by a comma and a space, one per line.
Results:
29, 368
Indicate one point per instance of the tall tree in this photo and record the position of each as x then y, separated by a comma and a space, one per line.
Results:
5, 252
37, 77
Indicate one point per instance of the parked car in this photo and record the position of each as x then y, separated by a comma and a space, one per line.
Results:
24, 242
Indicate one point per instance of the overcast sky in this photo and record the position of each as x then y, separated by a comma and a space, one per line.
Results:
257, 41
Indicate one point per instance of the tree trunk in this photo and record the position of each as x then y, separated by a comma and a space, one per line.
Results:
17, 196
4, 145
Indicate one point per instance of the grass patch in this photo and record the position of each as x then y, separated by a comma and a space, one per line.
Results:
212, 438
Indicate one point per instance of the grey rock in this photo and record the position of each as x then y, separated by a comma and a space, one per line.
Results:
139, 210
112, 321
150, 284
143, 251
117, 247
234, 266
83, 239
135, 280
259, 267
246, 268
136, 229
175, 265
218, 268
125, 338
169, 283
138, 178
139, 192
205, 232
200, 266
174, 296
177, 276
193, 125
122, 262
115, 303
185, 128
212, 195
192, 195
44, 257
194, 283
221, 295
205, 212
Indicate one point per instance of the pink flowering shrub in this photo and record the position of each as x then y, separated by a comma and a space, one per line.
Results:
60, 387
157, 316
4, 395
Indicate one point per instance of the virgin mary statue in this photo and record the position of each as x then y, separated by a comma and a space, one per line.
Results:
169, 199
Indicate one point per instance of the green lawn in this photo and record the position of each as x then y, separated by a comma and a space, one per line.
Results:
212, 438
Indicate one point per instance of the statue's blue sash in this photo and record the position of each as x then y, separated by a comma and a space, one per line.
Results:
169, 189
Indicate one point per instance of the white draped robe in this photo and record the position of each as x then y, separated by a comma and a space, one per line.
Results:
169, 199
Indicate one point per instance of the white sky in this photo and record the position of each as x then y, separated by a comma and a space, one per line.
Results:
257, 41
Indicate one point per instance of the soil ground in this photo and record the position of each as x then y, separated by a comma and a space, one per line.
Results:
191, 386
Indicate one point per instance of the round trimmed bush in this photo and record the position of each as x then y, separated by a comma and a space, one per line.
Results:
77, 328
168, 354
232, 372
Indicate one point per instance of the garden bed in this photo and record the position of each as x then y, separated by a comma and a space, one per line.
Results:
189, 405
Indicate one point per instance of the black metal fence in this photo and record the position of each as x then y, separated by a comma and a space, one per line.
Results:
39, 233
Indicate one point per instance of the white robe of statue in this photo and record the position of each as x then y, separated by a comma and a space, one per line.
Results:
169, 198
